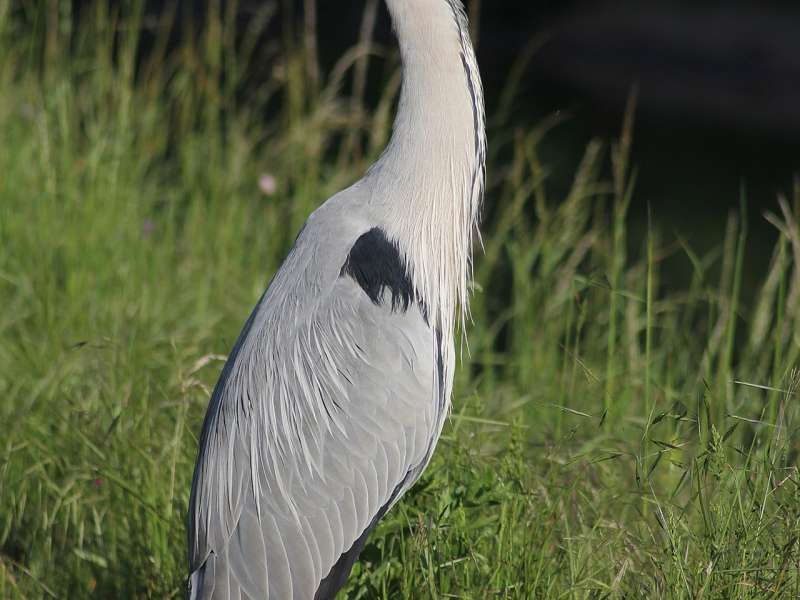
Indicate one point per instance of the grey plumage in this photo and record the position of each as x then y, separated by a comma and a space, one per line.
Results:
334, 396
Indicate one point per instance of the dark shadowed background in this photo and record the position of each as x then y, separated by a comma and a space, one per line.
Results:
718, 88
718, 96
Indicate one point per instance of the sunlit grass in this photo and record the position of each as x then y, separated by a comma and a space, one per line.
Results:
612, 435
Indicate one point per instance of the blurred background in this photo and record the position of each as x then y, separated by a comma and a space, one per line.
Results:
718, 86
717, 89
718, 83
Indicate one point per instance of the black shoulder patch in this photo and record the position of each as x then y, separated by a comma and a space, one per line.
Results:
376, 266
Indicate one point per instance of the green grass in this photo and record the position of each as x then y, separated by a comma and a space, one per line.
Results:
600, 445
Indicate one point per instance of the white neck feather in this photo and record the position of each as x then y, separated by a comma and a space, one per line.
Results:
428, 184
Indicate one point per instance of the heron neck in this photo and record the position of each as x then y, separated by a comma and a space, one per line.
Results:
429, 181
435, 125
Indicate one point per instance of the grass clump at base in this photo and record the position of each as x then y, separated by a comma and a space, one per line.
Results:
613, 435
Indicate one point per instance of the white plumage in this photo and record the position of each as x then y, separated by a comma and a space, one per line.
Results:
332, 400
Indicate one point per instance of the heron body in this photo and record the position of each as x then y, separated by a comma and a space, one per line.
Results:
334, 396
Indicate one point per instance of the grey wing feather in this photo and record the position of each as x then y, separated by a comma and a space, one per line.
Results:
299, 458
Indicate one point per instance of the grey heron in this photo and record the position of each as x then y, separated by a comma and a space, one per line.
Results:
334, 396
